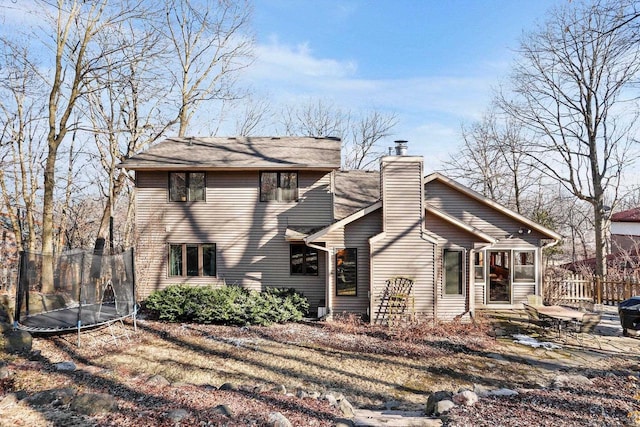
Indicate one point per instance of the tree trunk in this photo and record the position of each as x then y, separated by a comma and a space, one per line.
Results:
47, 220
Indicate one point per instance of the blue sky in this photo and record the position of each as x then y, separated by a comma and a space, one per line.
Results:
433, 63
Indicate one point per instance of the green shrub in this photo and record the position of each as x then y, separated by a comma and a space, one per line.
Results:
229, 305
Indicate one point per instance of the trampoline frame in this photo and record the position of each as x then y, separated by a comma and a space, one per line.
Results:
29, 322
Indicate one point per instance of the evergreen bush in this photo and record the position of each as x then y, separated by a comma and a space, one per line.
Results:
227, 305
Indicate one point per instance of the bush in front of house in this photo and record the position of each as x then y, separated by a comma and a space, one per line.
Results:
227, 305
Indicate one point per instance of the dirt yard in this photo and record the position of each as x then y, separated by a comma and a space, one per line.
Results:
279, 368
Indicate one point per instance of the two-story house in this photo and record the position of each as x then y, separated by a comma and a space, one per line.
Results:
279, 212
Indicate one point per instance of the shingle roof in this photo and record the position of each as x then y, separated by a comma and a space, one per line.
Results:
239, 152
631, 215
355, 190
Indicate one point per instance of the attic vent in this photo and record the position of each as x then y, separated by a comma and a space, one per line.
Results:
401, 147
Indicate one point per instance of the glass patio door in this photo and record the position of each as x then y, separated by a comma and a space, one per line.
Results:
499, 289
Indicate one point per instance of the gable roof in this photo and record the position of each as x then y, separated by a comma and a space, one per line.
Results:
239, 153
494, 205
630, 215
460, 224
354, 190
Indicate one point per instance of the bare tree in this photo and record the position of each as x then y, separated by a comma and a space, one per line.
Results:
126, 111
210, 41
21, 148
477, 163
572, 87
360, 134
315, 118
254, 116
362, 150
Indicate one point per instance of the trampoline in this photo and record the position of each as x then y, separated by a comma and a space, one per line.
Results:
90, 290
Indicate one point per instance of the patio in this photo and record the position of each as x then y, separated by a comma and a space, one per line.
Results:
605, 340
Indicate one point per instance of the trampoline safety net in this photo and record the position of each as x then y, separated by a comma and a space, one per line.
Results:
88, 290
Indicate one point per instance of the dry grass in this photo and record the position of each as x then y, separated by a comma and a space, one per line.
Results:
370, 365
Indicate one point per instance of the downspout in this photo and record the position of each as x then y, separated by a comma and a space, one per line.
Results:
327, 292
472, 283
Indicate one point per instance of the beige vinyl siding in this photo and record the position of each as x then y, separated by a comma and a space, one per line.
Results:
401, 249
477, 214
492, 222
450, 237
249, 234
355, 235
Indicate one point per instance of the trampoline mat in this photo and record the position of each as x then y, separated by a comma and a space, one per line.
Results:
67, 318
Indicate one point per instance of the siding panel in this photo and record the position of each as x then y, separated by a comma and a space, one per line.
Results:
251, 249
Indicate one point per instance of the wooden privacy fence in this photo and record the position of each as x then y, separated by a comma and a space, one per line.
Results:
579, 289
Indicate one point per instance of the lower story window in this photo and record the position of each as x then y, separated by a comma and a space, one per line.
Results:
197, 259
346, 272
453, 272
524, 266
303, 261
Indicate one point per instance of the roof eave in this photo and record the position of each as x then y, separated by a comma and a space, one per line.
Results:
344, 221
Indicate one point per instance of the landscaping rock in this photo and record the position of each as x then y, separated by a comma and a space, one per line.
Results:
571, 381
301, 394
228, 386
392, 404
344, 422
444, 406
331, 399
276, 419
8, 401
433, 400
315, 395
94, 404
17, 341
158, 380
466, 398
503, 392
4, 372
223, 410
65, 366
177, 415
46, 397
481, 390
346, 408
281, 389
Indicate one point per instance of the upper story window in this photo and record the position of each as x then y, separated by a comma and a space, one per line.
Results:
278, 186
186, 186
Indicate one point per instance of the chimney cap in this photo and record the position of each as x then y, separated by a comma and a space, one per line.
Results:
401, 147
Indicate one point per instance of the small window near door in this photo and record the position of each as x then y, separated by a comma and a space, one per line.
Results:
303, 261
453, 272
524, 268
478, 267
346, 272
